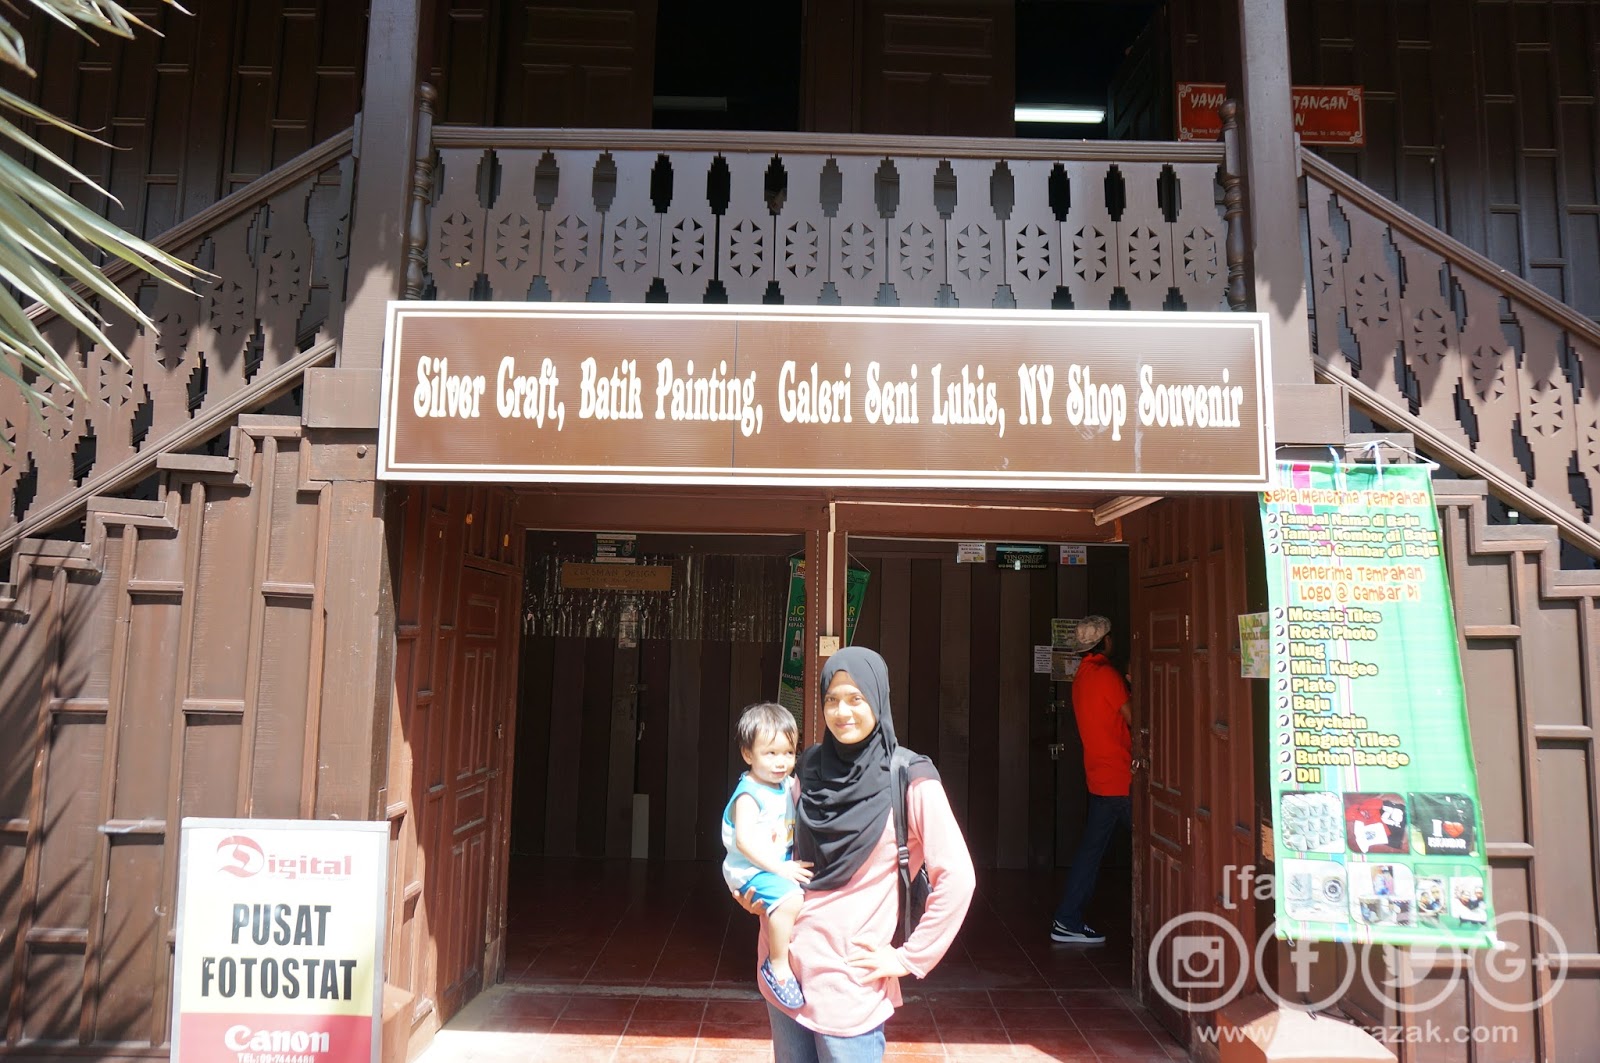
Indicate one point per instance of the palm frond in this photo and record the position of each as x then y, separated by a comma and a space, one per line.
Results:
49, 242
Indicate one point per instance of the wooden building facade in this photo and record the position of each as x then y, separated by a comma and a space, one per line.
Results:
212, 606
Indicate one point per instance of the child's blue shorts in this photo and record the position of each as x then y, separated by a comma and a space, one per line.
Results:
770, 889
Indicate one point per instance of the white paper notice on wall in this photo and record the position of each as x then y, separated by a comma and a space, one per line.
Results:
1253, 645
972, 553
1074, 554
1041, 660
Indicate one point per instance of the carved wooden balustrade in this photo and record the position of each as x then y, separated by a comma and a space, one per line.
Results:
691, 218
278, 250
1500, 380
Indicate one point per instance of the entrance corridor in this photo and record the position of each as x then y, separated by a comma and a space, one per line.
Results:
637, 961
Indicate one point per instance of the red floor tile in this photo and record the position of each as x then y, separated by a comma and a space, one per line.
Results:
1069, 1042
742, 1012
1091, 998
963, 1018
1126, 1044
631, 1052
531, 1005
599, 1007
655, 1008
735, 1055
663, 1032
1015, 1019
915, 1046
597, 1028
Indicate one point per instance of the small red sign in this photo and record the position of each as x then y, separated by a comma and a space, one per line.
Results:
1323, 114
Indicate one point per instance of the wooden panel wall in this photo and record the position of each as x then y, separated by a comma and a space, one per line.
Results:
218, 99
167, 667
1482, 120
959, 642
1483, 116
455, 560
1530, 645
581, 757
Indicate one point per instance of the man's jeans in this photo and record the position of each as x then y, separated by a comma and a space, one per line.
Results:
1105, 815
793, 1043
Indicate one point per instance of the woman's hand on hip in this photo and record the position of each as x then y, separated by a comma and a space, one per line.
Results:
875, 962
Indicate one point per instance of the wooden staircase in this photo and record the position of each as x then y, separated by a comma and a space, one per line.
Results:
1494, 378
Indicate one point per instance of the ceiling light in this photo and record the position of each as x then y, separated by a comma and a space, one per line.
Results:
1060, 114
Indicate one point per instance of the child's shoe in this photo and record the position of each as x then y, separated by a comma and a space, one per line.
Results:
787, 991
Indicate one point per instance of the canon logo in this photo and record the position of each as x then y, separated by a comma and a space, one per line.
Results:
243, 857
242, 1038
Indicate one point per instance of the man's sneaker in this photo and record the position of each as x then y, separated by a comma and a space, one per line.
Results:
1062, 934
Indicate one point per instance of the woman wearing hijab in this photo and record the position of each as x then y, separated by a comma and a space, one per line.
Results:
841, 950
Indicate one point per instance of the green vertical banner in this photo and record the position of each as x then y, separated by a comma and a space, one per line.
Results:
1378, 833
791, 681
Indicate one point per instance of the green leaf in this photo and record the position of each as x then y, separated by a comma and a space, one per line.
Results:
20, 136
47, 236
13, 51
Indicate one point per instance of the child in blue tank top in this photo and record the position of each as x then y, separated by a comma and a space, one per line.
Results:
758, 832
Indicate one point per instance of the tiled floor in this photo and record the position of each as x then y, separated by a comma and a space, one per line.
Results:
652, 962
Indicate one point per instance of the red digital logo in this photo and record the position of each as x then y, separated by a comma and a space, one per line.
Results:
243, 857
240, 856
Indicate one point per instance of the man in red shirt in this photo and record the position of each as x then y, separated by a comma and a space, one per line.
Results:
1100, 703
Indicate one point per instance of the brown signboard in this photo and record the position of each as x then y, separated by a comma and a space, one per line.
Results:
826, 396
1323, 114
576, 575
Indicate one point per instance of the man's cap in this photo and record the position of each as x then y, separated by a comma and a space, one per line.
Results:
1090, 630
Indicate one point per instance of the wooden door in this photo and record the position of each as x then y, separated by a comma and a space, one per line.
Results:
907, 66
588, 65
473, 941
948, 70
1164, 787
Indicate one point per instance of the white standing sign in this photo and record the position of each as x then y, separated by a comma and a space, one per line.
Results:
280, 941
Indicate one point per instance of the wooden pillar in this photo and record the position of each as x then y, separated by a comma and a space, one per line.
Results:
341, 405
385, 148
1304, 412
1271, 171
816, 625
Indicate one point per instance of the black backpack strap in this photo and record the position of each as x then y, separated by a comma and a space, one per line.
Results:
902, 780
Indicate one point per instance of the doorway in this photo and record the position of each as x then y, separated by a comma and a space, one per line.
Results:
628, 697
630, 692
620, 750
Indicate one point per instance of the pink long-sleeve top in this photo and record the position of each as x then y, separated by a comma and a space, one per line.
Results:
867, 910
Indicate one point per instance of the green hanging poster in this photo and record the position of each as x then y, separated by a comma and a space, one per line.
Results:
791, 682
1377, 826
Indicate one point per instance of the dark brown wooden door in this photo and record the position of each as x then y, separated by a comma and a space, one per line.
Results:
580, 65
473, 942
907, 66
938, 70
1167, 733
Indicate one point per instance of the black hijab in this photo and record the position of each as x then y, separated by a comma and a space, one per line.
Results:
846, 792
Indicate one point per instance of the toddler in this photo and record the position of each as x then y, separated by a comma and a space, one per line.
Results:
758, 832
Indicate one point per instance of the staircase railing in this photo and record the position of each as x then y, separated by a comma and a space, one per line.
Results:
279, 251
1497, 379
